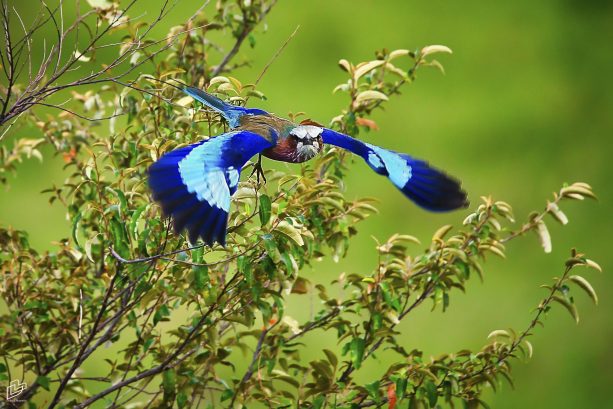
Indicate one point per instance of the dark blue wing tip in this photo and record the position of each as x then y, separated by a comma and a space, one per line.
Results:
433, 189
201, 222
198, 218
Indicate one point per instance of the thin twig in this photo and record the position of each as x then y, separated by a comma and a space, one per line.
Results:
78, 360
172, 360
251, 368
540, 310
246, 30
273, 59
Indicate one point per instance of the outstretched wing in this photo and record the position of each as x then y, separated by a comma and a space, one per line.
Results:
430, 188
194, 184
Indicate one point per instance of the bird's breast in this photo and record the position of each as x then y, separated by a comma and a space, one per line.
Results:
287, 150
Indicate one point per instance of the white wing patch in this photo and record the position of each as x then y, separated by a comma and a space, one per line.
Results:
399, 170
217, 193
203, 174
374, 160
233, 176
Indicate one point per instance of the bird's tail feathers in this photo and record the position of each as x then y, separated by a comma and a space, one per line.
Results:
230, 112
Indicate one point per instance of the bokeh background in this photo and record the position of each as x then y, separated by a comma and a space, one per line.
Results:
526, 104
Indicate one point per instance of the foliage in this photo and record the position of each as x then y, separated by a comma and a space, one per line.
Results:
184, 317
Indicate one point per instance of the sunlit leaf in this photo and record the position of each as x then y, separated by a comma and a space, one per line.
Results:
499, 333
100, 4
290, 231
345, 65
555, 211
370, 95
432, 49
586, 286
544, 236
398, 53
365, 68
569, 307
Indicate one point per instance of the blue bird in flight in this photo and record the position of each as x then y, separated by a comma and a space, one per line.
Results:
194, 184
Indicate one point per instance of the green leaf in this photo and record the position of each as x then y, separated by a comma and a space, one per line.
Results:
290, 231
226, 394
198, 255
388, 297
75, 228
356, 349
169, 381
123, 202
377, 320
182, 399
265, 209
318, 402
161, 313
134, 220
201, 277
331, 357
120, 239
373, 390
401, 387
431, 393
43, 381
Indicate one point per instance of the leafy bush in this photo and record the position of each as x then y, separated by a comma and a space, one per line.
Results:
185, 317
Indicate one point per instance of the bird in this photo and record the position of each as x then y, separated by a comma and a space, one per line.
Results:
194, 184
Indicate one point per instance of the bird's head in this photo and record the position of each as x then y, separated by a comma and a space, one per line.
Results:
307, 140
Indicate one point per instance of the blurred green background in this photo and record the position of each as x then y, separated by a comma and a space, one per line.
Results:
526, 105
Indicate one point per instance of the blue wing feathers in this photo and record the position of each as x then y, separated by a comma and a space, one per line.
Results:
219, 229
193, 184
428, 187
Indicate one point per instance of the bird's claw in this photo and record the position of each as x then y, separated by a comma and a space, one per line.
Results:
257, 169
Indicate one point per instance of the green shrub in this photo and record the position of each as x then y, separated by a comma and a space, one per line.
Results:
184, 317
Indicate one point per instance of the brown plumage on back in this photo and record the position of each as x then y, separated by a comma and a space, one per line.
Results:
269, 126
